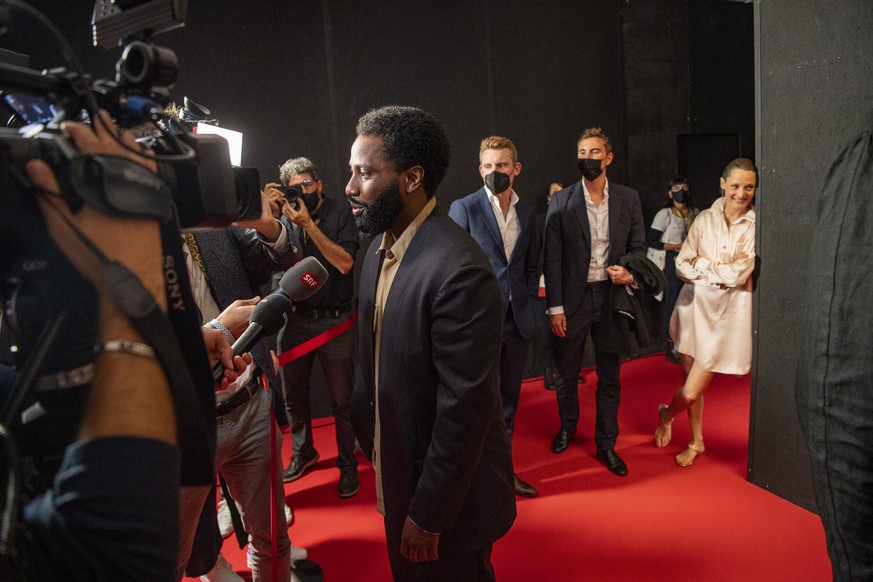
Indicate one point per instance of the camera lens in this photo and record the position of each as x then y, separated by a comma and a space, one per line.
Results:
291, 192
145, 65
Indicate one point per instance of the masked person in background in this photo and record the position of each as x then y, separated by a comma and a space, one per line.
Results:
590, 226
666, 235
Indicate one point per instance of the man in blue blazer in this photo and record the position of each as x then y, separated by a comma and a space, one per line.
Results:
505, 228
426, 406
589, 227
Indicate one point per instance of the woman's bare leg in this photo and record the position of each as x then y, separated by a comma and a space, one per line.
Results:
695, 447
688, 397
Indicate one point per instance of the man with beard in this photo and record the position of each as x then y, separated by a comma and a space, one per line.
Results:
426, 406
589, 227
505, 228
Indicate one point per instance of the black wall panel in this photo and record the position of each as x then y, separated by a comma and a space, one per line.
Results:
656, 86
722, 61
815, 75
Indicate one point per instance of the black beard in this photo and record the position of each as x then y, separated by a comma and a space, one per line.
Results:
381, 214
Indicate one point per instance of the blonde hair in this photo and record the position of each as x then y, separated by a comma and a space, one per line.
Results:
496, 142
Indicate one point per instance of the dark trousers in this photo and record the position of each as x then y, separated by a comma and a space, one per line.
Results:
590, 317
335, 358
836, 413
454, 565
513, 355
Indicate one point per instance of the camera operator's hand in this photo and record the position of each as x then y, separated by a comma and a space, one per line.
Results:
267, 225
236, 317
220, 351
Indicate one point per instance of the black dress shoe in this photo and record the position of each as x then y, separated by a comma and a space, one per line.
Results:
298, 466
612, 461
524, 489
562, 440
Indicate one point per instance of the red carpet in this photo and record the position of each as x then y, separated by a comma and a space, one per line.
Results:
661, 522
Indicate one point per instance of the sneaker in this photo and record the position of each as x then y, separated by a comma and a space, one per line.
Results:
221, 572
349, 484
225, 523
296, 554
298, 466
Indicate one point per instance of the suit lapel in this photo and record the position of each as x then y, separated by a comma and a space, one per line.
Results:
523, 232
369, 279
366, 302
486, 216
576, 203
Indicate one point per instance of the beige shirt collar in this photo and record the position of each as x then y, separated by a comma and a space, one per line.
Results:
398, 247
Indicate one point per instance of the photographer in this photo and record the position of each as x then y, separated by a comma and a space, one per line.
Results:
327, 230
113, 511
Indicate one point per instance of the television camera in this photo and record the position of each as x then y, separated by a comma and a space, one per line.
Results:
49, 309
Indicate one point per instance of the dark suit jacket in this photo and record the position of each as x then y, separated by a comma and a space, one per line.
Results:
518, 276
444, 448
237, 263
568, 240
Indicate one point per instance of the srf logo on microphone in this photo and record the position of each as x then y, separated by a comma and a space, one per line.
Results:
309, 280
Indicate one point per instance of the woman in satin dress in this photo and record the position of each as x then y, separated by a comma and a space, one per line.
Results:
711, 326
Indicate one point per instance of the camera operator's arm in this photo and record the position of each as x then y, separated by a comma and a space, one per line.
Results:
261, 257
267, 225
334, 253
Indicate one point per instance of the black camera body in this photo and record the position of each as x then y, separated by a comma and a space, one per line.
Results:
292, 195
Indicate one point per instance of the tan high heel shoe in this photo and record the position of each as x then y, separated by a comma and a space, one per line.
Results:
664, 432
686, 458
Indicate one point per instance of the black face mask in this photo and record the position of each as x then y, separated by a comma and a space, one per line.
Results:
497, 182
681, 196
310, 201
590, 168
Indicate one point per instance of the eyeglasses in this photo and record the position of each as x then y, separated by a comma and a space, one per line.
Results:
306, 183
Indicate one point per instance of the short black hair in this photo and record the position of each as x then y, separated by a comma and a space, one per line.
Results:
410, 137
676, 181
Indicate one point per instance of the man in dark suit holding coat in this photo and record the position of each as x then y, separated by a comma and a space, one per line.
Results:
505, 228
426, 405
589, 227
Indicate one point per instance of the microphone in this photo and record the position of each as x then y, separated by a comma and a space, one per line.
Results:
303, 279
271, 313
